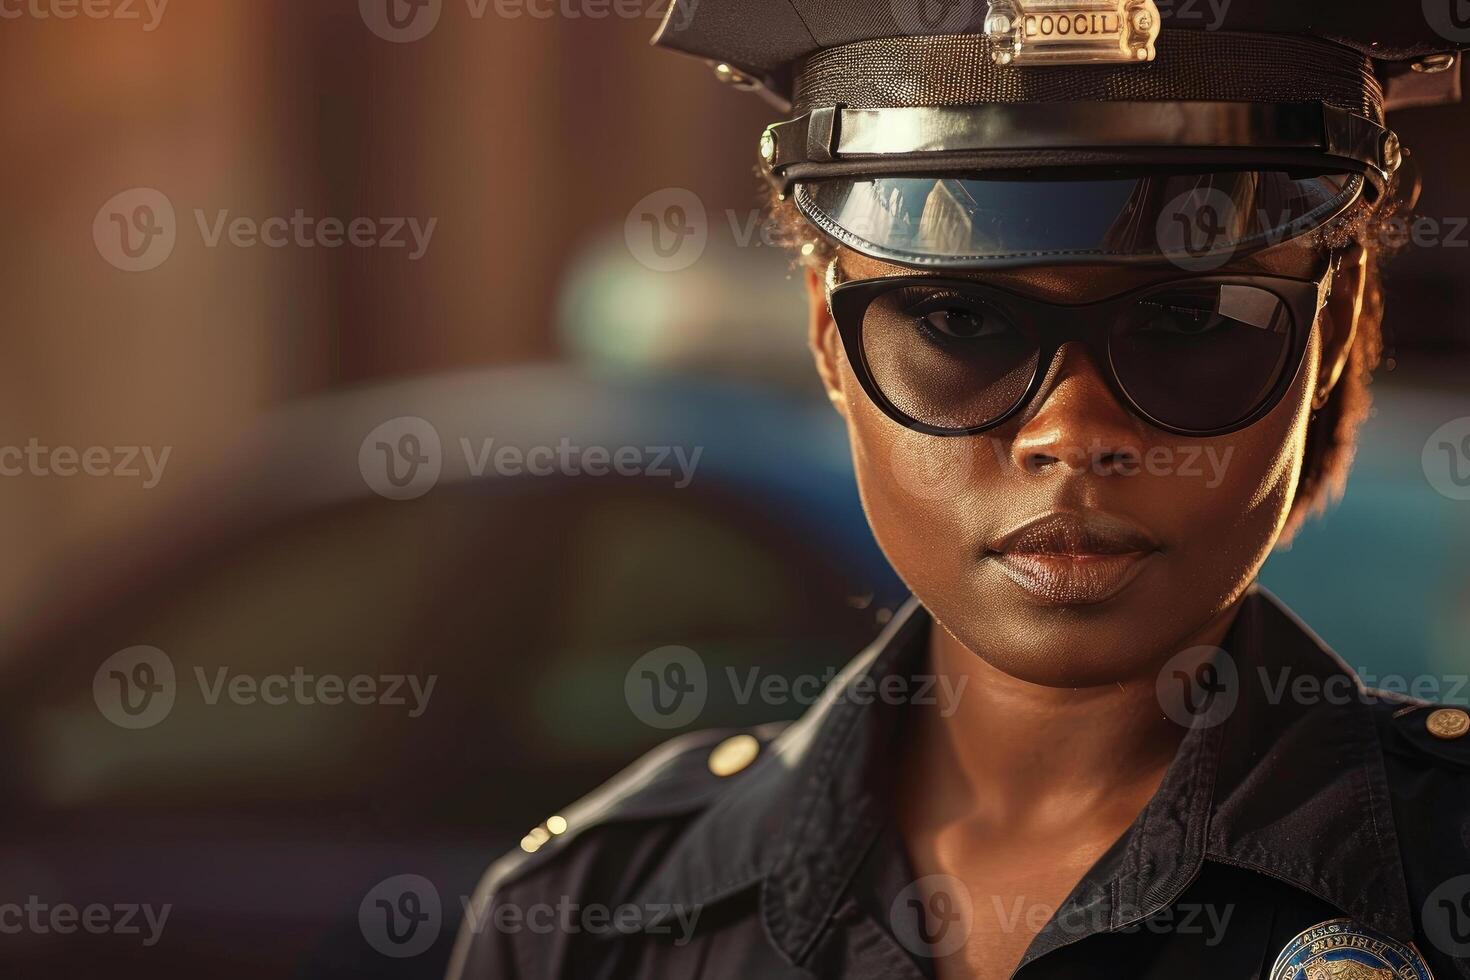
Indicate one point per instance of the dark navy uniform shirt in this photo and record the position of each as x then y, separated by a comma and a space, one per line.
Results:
1308, 829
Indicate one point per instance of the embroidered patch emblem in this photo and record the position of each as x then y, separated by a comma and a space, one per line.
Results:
1340, 949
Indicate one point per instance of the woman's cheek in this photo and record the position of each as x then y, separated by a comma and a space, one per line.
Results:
915, 487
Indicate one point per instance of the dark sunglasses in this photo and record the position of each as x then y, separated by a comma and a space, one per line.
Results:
1201, 356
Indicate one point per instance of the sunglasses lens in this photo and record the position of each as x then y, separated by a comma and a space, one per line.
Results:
947, 359
1202, 357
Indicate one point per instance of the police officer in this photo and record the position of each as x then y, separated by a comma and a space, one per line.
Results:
1093, 284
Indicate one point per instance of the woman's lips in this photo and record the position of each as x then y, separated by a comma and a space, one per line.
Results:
1073, 559
1072, 579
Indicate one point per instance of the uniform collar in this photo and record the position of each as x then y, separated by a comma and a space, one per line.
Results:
1288, 789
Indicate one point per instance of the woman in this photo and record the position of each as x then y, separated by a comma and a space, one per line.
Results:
1098, 305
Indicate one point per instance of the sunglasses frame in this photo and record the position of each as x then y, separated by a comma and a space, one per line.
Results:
1057, 324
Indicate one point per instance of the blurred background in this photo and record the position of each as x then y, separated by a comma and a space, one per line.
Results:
242, 453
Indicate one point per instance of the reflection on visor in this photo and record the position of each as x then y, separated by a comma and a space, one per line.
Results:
1194, 218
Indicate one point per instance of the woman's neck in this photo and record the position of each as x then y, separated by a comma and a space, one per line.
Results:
1009, 751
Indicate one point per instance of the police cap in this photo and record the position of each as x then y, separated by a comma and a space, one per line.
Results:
962, 134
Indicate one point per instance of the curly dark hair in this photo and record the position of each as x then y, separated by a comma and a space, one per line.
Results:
1332, 434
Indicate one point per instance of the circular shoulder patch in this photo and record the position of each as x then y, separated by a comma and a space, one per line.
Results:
1340, 949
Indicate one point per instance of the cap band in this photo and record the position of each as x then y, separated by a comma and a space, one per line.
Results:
1191, 65
951, 139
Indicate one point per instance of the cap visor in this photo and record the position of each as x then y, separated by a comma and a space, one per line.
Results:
980, 222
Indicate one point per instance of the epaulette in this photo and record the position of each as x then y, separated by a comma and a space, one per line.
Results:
683, 775
1441, 732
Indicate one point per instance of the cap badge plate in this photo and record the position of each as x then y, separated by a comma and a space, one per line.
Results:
1072, 32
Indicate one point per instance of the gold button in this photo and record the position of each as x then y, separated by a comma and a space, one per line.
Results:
557, 825
733, 755
768, 145
1434, 64
531, 843
1447, 723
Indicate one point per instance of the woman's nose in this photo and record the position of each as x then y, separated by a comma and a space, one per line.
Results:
1077, 424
